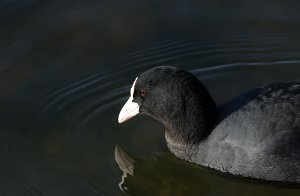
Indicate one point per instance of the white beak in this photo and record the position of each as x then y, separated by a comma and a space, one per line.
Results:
130, 109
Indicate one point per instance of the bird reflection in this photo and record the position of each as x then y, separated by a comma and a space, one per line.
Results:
167, 175
126, 163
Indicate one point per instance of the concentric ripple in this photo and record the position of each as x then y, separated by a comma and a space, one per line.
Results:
73, 127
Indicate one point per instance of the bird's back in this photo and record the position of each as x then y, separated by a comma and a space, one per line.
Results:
258, 135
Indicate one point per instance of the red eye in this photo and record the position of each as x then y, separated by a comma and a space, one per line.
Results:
142, 93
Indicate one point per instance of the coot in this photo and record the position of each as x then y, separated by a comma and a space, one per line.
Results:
255, 135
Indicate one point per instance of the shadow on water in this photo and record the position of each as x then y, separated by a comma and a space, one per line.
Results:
66, 69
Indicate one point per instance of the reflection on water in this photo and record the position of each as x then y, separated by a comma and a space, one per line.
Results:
167, 175
66, 69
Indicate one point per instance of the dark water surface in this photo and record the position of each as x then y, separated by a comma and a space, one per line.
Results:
66, 68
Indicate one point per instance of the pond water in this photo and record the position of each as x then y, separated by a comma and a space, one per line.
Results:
66, 68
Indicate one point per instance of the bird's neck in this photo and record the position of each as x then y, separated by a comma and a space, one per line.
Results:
192, 122
188, 152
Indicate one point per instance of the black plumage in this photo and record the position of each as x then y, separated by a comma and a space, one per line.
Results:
255, 135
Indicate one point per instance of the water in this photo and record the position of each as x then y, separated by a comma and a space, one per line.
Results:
66, 68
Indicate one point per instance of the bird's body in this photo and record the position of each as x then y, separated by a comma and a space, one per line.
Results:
253, 147
255, 135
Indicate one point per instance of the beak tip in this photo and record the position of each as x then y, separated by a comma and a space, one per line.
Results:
120, 120
129, 110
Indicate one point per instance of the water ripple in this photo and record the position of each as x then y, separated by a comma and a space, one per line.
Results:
243, 64
75, 121
104, 89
